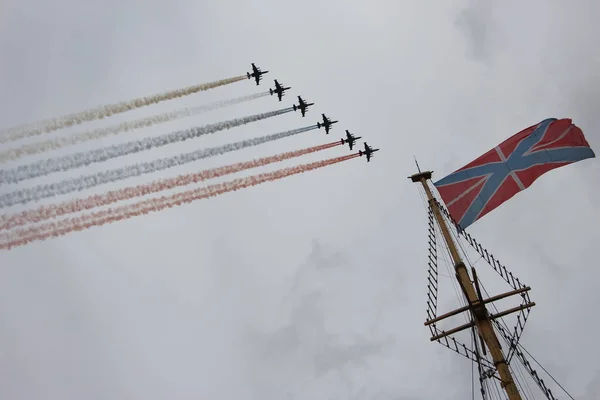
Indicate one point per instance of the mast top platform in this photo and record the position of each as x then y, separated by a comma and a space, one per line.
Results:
421, 175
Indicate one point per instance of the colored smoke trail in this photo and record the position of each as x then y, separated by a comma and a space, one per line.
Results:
64, 163
57, 210
88, 181
127, 126
21, 237
104, 111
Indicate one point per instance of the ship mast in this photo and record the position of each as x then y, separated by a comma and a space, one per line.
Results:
481, 318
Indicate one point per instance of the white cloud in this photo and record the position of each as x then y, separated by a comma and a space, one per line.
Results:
162, 306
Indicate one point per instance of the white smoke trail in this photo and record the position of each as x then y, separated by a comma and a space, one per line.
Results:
64, 163
58, 143
104, 111
84, 182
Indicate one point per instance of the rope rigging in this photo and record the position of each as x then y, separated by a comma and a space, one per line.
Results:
490, 382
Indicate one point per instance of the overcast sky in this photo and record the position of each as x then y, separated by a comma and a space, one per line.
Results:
313, 286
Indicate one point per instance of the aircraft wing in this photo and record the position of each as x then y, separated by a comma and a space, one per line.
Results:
257, 78
303, 111
351, 143
254, 69
279, 94
277, 85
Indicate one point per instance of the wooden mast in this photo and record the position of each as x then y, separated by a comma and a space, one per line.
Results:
476, 304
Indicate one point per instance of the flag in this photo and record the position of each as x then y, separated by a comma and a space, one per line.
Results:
485, 183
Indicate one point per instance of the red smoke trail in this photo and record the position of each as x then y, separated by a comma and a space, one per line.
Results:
55, 229
56, 210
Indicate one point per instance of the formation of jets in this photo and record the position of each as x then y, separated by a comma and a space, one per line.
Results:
303, 107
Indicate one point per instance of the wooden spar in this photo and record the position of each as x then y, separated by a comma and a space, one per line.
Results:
485, 301
491, 317
481, 317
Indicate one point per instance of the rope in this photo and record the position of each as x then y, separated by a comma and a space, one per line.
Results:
544, 369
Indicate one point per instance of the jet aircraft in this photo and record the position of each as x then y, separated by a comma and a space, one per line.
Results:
279, 90
302, 106
350, 139
368, 151
326, 123
256, 73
